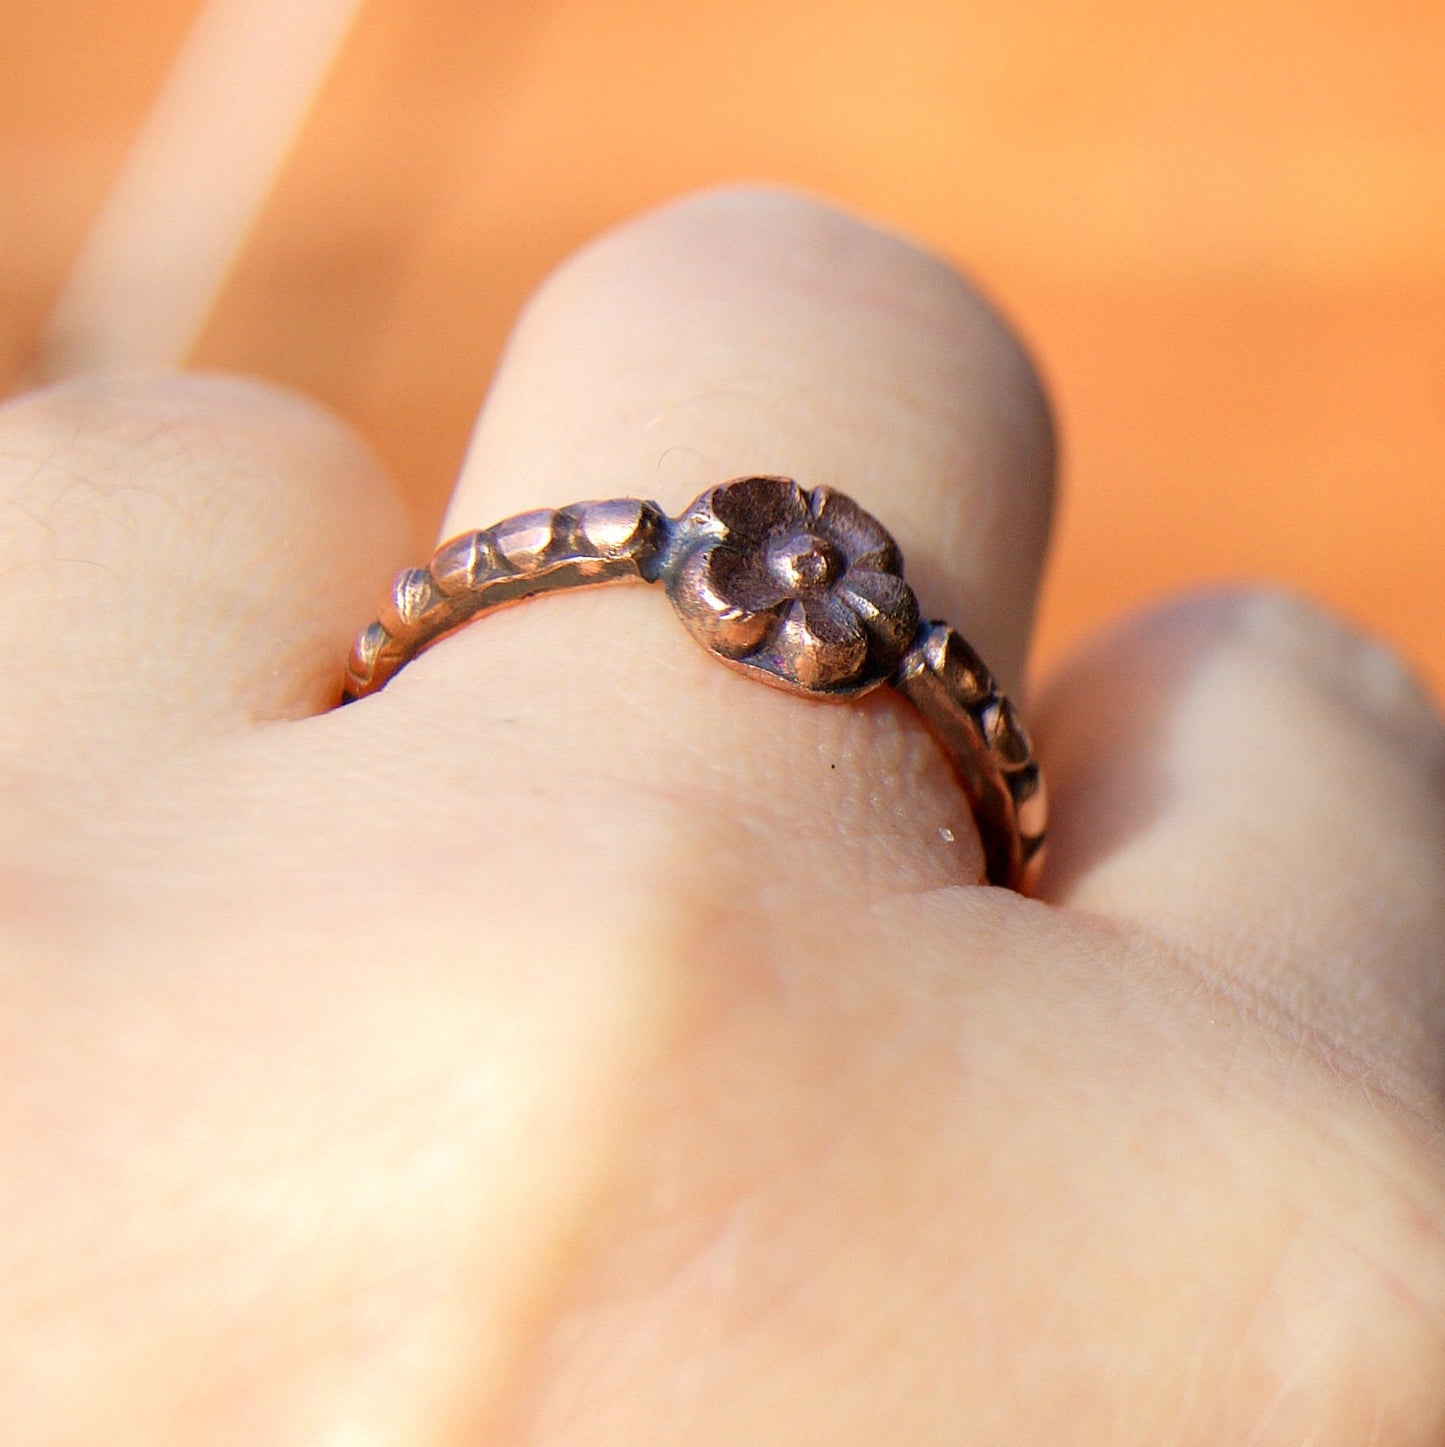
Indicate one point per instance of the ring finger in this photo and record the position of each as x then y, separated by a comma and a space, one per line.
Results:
738, 333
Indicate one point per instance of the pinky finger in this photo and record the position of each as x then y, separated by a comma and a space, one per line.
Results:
1244, 776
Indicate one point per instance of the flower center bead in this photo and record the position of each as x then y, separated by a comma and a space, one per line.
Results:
804, 562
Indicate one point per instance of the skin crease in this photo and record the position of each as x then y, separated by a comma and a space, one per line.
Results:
578, 1043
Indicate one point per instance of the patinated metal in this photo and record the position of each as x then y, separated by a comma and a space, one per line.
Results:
802, 589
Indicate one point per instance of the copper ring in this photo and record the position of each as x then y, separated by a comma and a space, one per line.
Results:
802, 589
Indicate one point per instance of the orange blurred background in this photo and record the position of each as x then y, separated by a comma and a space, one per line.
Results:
1221, 226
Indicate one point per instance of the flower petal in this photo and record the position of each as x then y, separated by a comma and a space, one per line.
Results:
820, 645
887, 608
701, 592
752, 507
862, 539
751, 583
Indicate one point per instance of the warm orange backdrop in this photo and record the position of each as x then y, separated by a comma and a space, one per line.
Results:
1222, 226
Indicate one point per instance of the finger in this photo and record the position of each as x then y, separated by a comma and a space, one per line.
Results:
177, 554
738, 333
760, 332
1245, 776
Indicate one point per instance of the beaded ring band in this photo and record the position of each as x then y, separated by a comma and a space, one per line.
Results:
801, 589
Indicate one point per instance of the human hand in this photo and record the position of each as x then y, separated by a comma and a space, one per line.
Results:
577, 1042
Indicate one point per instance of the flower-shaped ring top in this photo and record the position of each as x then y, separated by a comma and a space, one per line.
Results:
802, 588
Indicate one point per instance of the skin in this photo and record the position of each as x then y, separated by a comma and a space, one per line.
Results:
579, 1043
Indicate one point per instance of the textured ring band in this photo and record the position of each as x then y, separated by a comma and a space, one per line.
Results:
804, 590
